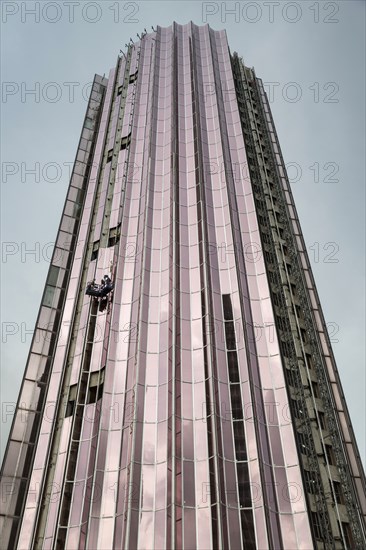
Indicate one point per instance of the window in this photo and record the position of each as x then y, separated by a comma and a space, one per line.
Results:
125, 141
114, 235
265, 238
291, 377
322, 421
297, 410
268, 257
133, 77
261, 220
48, 296
89, 123
92, 395
228, 310
70, 407
50, 289
95, 250
236, 406
316, 524
310, 482
230, 335
303, 335
78, 203
315, 387
76, 210
272, 276
110, 155
286, 348
337, 492
245, 499
303, 445
96, 386
53, 275
347, 533
239, 440
112, 241
330, 455
232, 361
309, 361
120, 89
282, 323
248, 529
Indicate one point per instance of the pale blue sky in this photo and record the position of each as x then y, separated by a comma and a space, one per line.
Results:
324, 59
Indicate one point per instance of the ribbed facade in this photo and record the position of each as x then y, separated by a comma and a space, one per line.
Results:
198, 406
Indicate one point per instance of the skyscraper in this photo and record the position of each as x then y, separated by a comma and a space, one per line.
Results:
181, 390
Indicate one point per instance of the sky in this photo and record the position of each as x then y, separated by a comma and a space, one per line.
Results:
311, 57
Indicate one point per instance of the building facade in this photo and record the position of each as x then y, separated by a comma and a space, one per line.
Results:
191, 399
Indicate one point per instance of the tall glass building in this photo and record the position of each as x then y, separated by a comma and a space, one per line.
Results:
190, 399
